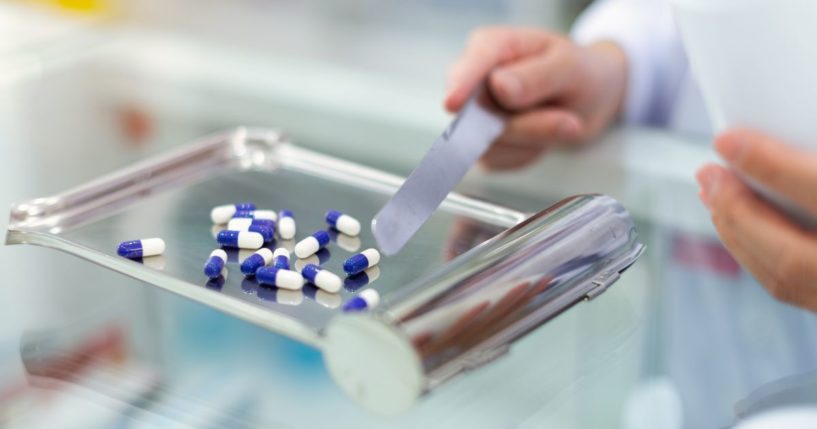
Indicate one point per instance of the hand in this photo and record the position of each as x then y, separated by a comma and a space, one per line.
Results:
779, 253
558, 92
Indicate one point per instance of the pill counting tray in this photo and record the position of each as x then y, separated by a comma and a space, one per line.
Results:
171, 197
473, 280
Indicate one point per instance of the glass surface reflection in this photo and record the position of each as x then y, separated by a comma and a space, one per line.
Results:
216, 284
280, 296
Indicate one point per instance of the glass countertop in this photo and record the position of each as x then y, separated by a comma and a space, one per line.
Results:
685, 339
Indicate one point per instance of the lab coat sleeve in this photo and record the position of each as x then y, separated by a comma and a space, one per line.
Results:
646, 31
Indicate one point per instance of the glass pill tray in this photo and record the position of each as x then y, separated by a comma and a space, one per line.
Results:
171, 196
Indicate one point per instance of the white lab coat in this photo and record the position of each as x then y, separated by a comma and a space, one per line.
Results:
660, 90
662, 93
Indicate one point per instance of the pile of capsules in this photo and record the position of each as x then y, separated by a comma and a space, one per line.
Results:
249, 228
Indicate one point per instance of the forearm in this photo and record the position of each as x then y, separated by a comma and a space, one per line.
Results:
646, 34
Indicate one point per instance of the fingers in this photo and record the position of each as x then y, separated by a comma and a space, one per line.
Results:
780, 167
779, 254
738, 216
527, 136
528, 82
543, 126
502, 156
486, 49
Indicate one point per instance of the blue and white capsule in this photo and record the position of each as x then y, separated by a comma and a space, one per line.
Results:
266, 232
321, 278
244, 223
215, 263
365, 300
257, 214
363, 260
281, 278
265, 227
255, 261
343, 222
280, 258
222, 214
240, 239
136, 249
309, 245
286, 225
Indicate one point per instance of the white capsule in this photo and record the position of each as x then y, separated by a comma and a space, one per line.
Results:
348, 225
221, 214
371, 296
328, 281
239, 223
250, 240
265, 214
286, 227
288, 279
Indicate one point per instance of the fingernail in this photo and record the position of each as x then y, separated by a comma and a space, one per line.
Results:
508, 83
704, 177
729, 148
708, 179
567, 130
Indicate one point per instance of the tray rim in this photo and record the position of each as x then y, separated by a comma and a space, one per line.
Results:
36, 221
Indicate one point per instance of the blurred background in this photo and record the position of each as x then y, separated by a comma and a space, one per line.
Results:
384, 62
686, 339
